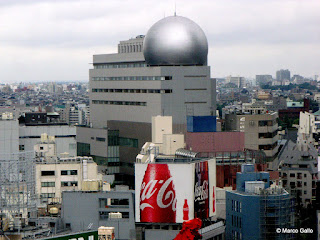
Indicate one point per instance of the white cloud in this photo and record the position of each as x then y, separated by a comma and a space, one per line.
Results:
55, 40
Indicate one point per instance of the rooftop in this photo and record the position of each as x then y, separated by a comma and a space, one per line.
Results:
68, 160
291, 155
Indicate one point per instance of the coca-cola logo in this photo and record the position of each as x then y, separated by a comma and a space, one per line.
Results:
201, 192
165, 195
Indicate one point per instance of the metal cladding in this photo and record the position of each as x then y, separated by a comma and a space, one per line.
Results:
175, 41
181, 152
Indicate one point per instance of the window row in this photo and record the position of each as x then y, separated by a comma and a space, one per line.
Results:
113, 215
119, 65
131, 78
69, 184
63, 172
236, 206
119, 103
48, 184
132, 90
69, 172
47, 195
99, 139
268, 147
268, 123
113, 202
236, 221
236, 235
128, 142
293, 175
129, 48
268, 135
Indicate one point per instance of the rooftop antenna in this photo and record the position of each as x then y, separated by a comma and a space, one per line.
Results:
175, 9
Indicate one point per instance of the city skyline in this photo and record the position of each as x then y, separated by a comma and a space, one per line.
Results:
54, 40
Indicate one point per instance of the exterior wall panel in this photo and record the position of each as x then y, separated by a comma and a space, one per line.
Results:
215, 141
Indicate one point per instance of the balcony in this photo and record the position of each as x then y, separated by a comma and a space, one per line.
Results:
265, 141
271, 153
266, 129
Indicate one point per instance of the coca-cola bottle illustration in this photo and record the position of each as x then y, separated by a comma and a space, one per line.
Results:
213, 200
157, 195
185, 210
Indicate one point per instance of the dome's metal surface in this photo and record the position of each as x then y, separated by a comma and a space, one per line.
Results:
175, 41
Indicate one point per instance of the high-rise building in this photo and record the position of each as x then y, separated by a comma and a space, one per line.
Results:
240, 82
9, 137
256, 209
159, 74
282, 75
297, 79
263, 79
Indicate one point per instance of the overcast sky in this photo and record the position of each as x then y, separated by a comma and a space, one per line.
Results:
54, 40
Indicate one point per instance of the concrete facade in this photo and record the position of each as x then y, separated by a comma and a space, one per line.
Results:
188, 91
260, 130
309, 128
91, 137
298, 172
207, 142
9, 136
68, 174
65, 137
81, 209
283, 74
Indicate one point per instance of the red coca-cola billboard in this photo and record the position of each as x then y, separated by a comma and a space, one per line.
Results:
165, 192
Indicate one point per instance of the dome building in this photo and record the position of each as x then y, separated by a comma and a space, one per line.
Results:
165, 73
175, 41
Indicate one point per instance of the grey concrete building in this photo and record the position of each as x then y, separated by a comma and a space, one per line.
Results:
283, 75
153, 75
90, 210
9, 136
240, 82
137, 93
261, 131
65, 137
298, 171
263, 79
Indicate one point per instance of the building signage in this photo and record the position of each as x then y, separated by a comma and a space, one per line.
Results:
174, 193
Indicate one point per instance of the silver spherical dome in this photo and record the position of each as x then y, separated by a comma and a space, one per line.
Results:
175, 41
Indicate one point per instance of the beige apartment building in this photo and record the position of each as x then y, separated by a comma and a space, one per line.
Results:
57, 174
261, 131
